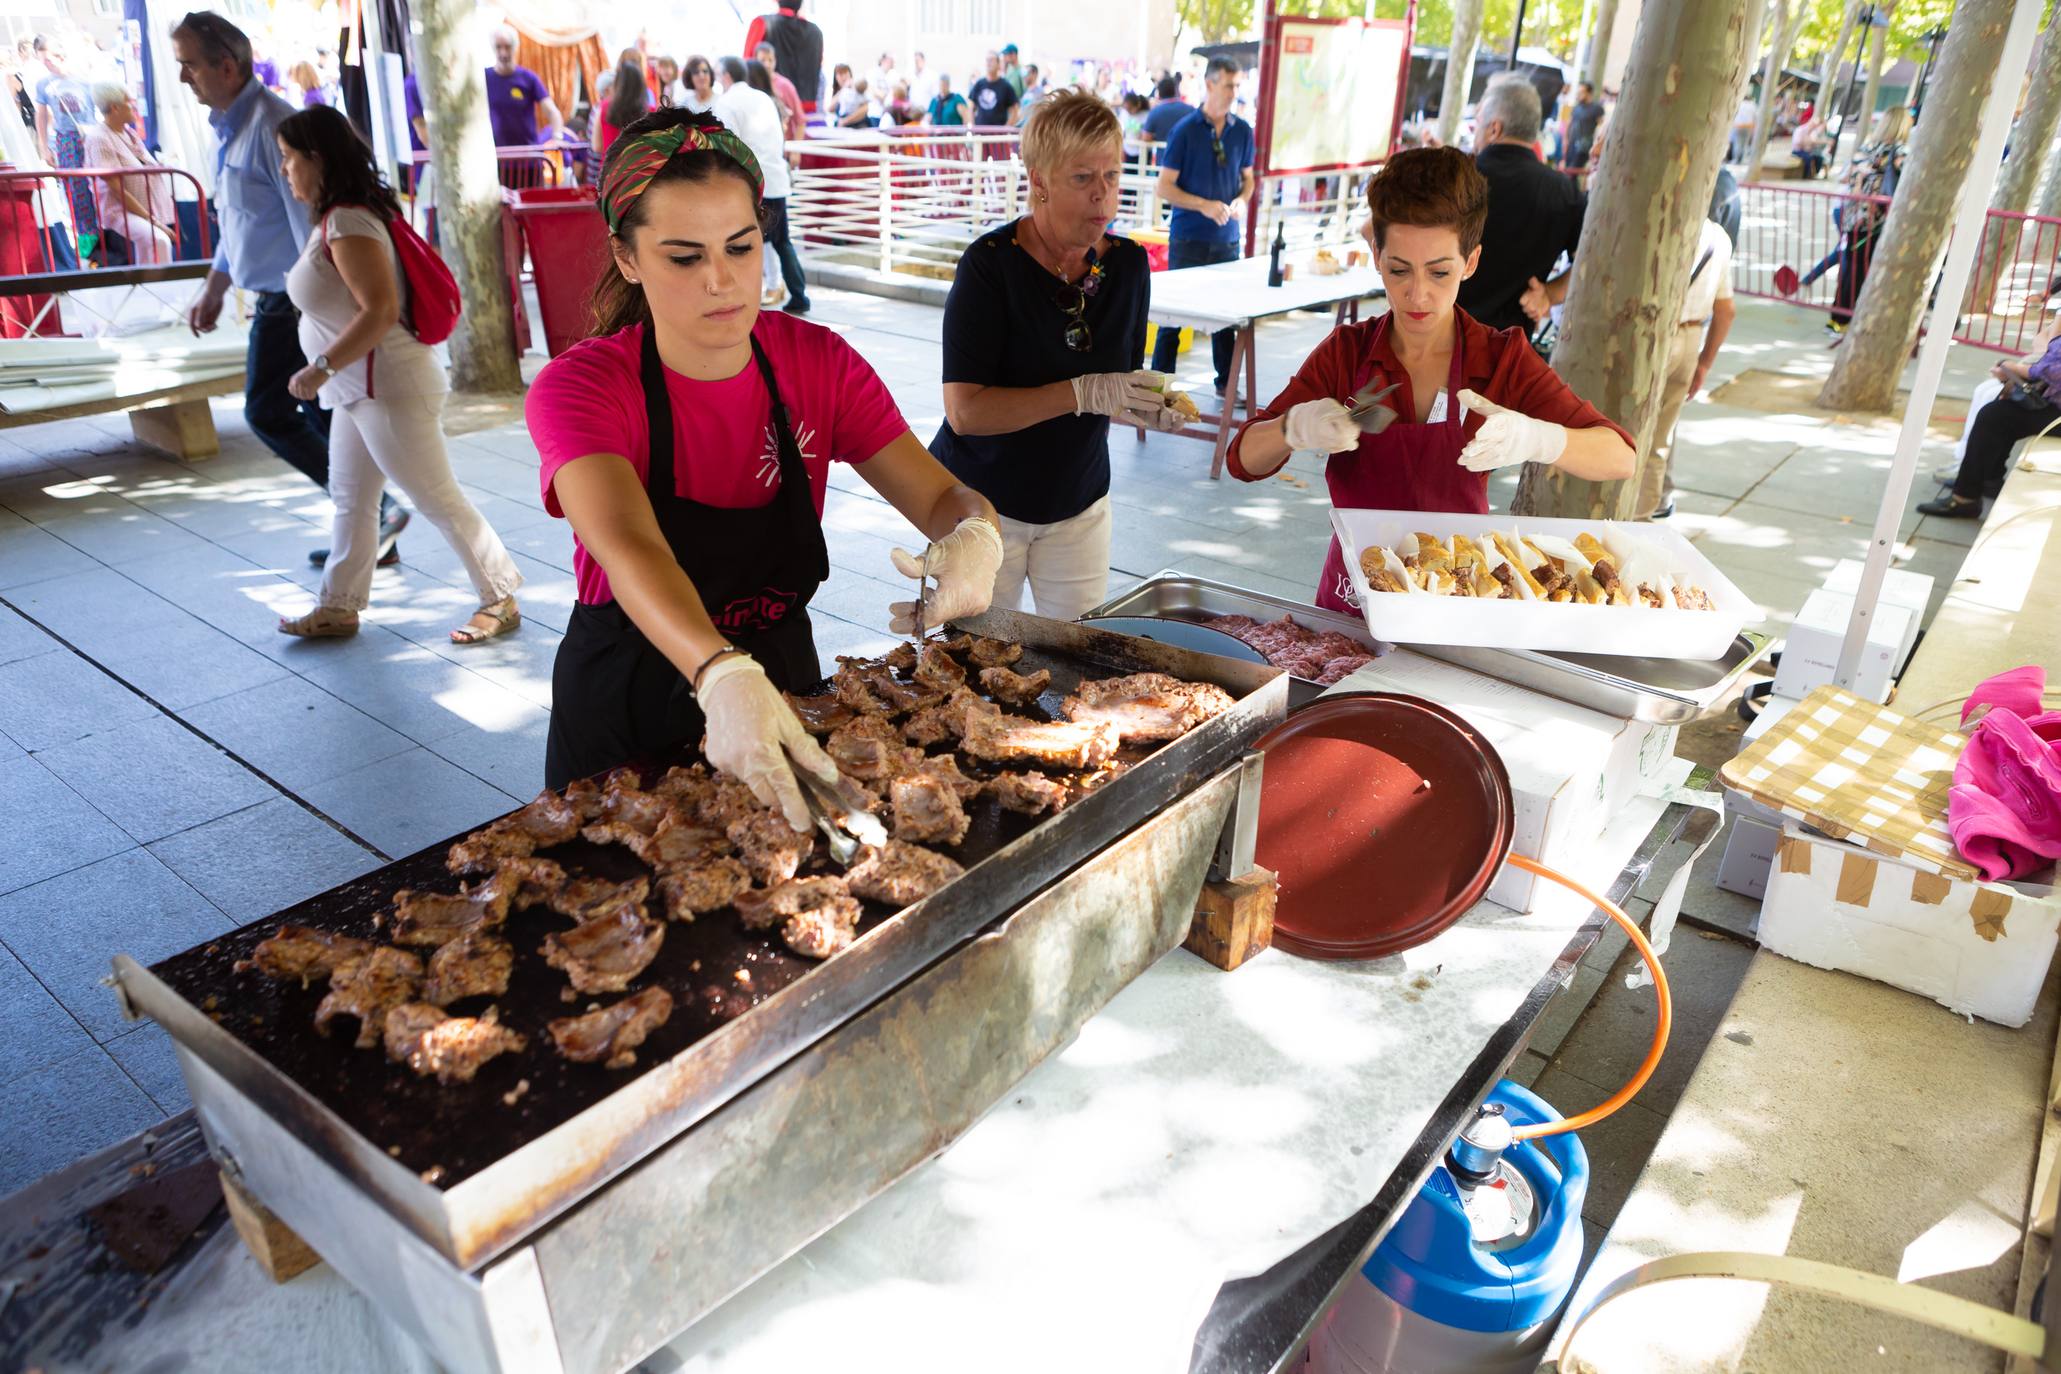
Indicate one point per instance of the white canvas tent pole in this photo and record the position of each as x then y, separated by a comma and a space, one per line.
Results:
1939, 328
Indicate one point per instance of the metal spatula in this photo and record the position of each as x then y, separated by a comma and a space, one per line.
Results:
1367, 411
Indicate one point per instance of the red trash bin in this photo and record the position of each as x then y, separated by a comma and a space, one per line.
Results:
568, 244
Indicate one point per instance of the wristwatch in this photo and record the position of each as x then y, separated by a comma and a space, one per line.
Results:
322, 361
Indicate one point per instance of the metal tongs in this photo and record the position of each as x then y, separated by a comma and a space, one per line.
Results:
922, 590
840, 813
1367, 411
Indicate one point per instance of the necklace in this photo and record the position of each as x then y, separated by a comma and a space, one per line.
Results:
1094, 266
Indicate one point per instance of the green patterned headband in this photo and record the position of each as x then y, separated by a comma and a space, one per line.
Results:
639, 161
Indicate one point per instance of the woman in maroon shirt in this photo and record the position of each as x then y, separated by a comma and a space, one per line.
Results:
1468, 399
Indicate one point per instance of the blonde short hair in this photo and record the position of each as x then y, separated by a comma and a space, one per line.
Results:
1066, 124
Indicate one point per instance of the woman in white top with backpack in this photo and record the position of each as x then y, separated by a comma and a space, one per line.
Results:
384, 384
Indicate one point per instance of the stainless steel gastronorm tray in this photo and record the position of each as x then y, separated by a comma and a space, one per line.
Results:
1662, 690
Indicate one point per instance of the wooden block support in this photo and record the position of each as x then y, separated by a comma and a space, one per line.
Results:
1234, 920
278, 1251
184, 429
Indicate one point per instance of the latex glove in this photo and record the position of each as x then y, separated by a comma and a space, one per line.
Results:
1323, 425
1506, 438
1114, 393
753, 736
963, 563
1161, 414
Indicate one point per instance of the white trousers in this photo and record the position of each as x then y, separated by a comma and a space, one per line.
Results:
1066, 564
401, 437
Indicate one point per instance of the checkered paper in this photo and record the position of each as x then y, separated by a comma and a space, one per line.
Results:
1859, 772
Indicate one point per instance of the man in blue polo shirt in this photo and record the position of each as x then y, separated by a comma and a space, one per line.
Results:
1206, 176
263, 231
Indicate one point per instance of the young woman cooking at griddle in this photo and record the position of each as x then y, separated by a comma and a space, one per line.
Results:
688, 442
1468, 399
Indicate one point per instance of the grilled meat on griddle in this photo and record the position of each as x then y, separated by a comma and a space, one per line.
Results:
822, 931
584, 796
612, 1034
298, 952
820, 715
771, 848
536, 880
588, 898
625, 802
476, 964
947, 720
761, 908
869, 749
451, 1048
604, 954
1146, 707
983, 652
1031, 794
1059, 744
432, 918
938, 670
852, 685
945, 768
690, 889
1015, 688
365, 987
927, 810
900, 873
546, 821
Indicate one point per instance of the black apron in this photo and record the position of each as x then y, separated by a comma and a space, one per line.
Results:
614, 696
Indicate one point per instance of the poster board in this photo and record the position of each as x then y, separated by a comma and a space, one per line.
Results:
1333, 91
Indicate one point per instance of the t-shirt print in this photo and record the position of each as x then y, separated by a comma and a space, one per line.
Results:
769, 453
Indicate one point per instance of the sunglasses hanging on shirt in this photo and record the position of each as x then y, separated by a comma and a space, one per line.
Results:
1216, 140
1072, 300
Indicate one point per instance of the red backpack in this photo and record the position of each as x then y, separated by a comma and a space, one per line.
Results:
429, 293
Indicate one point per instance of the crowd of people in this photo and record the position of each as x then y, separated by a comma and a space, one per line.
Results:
687, 440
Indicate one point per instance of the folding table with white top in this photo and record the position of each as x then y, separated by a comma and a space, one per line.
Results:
1235, 295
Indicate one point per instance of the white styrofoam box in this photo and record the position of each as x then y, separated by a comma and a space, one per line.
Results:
1900, 587
1810, 658
1749, 853
1570, 768
1981, 949
1402, 618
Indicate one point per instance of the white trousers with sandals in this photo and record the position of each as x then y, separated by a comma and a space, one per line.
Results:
402, 438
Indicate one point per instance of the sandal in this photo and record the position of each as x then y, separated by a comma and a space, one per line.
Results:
488, 622
324, 622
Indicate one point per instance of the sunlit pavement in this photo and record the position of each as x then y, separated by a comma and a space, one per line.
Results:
171, 767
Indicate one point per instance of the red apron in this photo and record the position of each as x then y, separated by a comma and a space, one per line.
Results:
1407, 466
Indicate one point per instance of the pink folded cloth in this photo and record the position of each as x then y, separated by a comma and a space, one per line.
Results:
2004, 809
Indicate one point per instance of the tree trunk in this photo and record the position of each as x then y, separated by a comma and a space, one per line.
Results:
1788, 22
468, 184
1459, 68
1878, 40
1868, 365
2050, 193
2019, 178
1646, 211
1599, 46
1831, 93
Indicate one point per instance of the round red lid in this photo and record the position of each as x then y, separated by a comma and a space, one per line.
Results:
1386, 818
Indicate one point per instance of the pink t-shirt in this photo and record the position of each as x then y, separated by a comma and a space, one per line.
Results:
589, 400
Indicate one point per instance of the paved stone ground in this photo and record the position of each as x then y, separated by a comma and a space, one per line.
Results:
171, 767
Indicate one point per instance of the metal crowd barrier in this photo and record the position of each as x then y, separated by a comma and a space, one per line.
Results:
53, 219
1810, 245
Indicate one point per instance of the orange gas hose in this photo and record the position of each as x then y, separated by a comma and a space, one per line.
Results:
1660, 1030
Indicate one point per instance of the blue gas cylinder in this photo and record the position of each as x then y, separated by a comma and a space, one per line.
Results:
1472, 1277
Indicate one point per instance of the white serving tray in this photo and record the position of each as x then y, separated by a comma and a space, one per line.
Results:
1558, 626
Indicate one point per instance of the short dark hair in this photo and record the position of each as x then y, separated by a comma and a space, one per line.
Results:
757, 77
733, 67
1221, 63
218, 39
1169, 88
1430, 188
349, 175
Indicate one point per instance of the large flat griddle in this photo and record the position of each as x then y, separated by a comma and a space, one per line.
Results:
471, 1169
